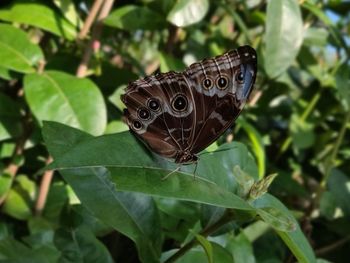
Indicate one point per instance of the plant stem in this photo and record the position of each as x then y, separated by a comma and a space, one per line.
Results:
90, 18
303, 117
333, 156
226, 218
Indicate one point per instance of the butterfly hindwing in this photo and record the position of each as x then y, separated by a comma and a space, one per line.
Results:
179, 114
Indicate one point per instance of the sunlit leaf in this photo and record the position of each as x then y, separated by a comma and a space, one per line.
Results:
40, 15
284, 35
188, 12
132, 17
16, 51
57, 96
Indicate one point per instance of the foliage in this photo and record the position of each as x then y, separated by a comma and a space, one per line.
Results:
107, 199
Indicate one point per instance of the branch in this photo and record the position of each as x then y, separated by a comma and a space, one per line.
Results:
94, 42
90, 19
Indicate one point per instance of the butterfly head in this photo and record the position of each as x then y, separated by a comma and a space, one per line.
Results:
186, 157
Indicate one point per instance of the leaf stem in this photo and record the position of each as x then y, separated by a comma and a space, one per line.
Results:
226, 218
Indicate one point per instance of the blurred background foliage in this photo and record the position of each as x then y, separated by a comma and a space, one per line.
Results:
69, 60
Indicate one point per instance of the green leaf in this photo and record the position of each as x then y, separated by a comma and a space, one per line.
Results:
132, 17
57, 96
135, 171
244, 180
40, 15
295, 240
343, 84
188, 12
206, 245
315, 36
17, 205
16, 51
14, 251
116, 126
57, 198
134, 215
257, 145
80, 245
328, 205
68, 10
302, 132
277, 219
339, 185
284, 35
241, 249
5, 73
5, 185
168, 63
220, 255
115, 97
10, 118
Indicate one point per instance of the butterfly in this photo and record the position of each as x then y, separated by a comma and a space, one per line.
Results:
179, 114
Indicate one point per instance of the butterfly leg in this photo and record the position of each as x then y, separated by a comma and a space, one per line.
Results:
167, 176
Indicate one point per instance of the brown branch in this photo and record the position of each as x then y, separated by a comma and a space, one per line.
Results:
81, 72
226, 218
44, 189
173, 38
90, 19
335, 245
96, 33
13, 166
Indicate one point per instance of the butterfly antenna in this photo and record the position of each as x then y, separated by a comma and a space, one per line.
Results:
167, 176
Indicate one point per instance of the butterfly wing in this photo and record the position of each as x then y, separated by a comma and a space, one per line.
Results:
179, 114
161, 111
221, 87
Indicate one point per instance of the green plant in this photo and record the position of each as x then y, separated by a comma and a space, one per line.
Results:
64, 64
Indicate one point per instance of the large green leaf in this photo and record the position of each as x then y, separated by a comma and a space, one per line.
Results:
57, 96
188, 12
132, 214
135, 170
284, 35
10, 118
132, 17
16, 51
295, 240
38, 14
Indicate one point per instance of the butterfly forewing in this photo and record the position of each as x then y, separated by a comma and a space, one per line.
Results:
179, 114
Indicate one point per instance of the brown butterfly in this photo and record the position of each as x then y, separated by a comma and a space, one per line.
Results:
178, 114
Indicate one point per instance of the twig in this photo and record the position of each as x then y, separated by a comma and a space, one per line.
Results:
13, 166
96, 32
226, 218
90, 18
174, 34
44, 189
47, 176
328, 248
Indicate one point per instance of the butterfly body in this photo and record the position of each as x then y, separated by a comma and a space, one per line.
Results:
178, 114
